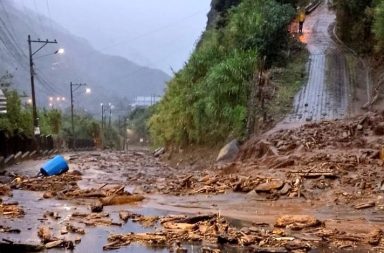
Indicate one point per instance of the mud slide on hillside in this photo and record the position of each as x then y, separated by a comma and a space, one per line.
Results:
325, 96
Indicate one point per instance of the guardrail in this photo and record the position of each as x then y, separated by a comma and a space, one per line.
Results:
312, 6
18, 147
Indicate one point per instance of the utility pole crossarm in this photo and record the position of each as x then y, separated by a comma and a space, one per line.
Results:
44, 42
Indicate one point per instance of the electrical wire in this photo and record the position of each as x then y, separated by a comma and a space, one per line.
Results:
39, 16
21, 54
49, 16
175, 23
8, 39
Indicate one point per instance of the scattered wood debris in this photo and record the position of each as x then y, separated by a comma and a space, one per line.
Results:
94, 219
47, 184
211, 229
121, 199
50, 241
11, 210
5, 190
297, 222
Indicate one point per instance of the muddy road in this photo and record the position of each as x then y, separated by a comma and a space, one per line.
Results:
317, 188
311, 188
326, 94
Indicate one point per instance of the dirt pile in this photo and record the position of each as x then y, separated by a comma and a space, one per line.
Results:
341, 161
52, 184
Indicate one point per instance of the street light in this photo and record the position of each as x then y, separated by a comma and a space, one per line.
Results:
88, 90
60, 51
36, 128
110, 113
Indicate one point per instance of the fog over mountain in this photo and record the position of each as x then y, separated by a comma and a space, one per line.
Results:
111, 78
159, 34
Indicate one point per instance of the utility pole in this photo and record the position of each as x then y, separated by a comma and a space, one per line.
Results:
102, 117
110, 114
77, 85
36, 128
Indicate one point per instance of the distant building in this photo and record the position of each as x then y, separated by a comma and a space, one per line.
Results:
145, 101
3, 103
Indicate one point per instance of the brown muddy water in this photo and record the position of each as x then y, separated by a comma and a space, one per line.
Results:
95, 237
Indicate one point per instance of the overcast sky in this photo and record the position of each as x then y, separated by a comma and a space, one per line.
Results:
155, 33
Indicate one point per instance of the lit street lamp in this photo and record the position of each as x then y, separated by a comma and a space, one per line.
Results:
110, 113
60, 51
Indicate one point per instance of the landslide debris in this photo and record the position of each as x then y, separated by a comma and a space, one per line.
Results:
341, 161
217, 231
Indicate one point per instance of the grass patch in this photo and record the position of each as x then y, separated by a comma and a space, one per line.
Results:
288, 82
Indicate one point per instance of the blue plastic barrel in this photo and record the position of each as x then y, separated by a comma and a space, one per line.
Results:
55, 166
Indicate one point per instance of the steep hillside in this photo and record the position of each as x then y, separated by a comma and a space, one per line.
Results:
360, 26
214, 97
110, 77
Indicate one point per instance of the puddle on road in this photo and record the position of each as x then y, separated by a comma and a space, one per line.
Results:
96, 237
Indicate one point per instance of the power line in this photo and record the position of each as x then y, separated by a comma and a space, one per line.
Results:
10, 44
49, 16
39, 16
173, 24
9, 41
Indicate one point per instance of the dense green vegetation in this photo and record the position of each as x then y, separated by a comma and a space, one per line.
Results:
19, 117
378, 26
361, 24
206, 102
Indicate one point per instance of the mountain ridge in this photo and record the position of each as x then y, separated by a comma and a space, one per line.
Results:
110, 77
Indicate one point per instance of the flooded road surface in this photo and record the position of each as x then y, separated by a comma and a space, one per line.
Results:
325, 96
143, 172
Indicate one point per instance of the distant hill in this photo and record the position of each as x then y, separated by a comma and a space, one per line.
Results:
111, 78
